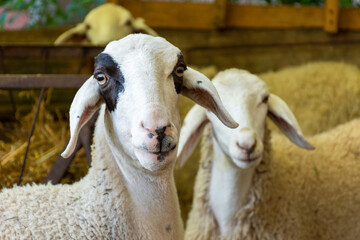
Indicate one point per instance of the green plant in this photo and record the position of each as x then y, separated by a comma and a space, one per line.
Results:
47, 13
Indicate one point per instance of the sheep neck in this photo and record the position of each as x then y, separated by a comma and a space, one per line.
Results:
155, 203
153, 200
229, 188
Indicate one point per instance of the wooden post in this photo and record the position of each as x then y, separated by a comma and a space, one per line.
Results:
220, 13
331, 16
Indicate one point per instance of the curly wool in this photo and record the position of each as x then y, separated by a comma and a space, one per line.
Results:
322, 95
296, 194
317, 192
93, 208
201, 223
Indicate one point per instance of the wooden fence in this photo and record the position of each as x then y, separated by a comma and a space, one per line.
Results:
223, 14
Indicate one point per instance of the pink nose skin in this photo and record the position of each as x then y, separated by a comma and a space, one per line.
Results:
247, 142
159, 133
248, 148
159, 140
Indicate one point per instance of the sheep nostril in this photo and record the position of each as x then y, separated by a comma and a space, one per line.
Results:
252, 148
157, 133
161, 130
248, 148
150, 133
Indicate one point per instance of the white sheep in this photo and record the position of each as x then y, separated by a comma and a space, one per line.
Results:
321, 95
129, 192
103, 24
242, 191
322, 187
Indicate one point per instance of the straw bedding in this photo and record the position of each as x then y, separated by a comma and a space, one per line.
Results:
51, 133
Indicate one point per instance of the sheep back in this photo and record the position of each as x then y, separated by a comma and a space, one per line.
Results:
322, 95
315, 194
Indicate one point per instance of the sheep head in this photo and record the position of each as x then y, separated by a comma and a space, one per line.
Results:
138, 79
248, 100
103, 24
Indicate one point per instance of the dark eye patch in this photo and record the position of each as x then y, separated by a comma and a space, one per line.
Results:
105, 64
178, 81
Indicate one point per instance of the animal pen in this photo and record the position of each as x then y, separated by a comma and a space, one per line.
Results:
220, 33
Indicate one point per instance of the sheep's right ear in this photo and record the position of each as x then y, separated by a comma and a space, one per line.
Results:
284, 119
86, 102
190, 133
200, 89
76, 34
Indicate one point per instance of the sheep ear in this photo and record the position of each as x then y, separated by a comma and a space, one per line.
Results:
86, 102
74, 35
199, 88
281, 115
190, 133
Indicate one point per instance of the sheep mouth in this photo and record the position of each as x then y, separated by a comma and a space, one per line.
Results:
160, 155
249, 159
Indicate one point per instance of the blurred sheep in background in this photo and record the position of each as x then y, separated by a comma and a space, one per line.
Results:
103, 24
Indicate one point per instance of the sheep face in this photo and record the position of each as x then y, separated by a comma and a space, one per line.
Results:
145, 107
107, 22
247, 99
138, 79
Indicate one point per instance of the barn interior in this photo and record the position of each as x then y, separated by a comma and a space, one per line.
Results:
306, 51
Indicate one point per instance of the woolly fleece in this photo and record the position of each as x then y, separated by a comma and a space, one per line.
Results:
298, 195
322, 95
93, 208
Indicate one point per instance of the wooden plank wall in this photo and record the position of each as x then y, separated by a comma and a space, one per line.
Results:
331, 16
257, 38
222, 14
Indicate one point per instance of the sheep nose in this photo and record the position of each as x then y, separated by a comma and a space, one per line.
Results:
160, 132
160, 139
247, 147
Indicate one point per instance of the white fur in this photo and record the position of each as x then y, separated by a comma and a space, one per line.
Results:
128, 193
103, 24
236, 152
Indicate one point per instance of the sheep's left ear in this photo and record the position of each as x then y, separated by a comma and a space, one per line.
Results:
76, 34
281, 115
86, 102
200, 89
190, 133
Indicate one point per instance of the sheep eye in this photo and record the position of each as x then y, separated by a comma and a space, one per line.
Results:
265, 99
101, 78
180, 71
